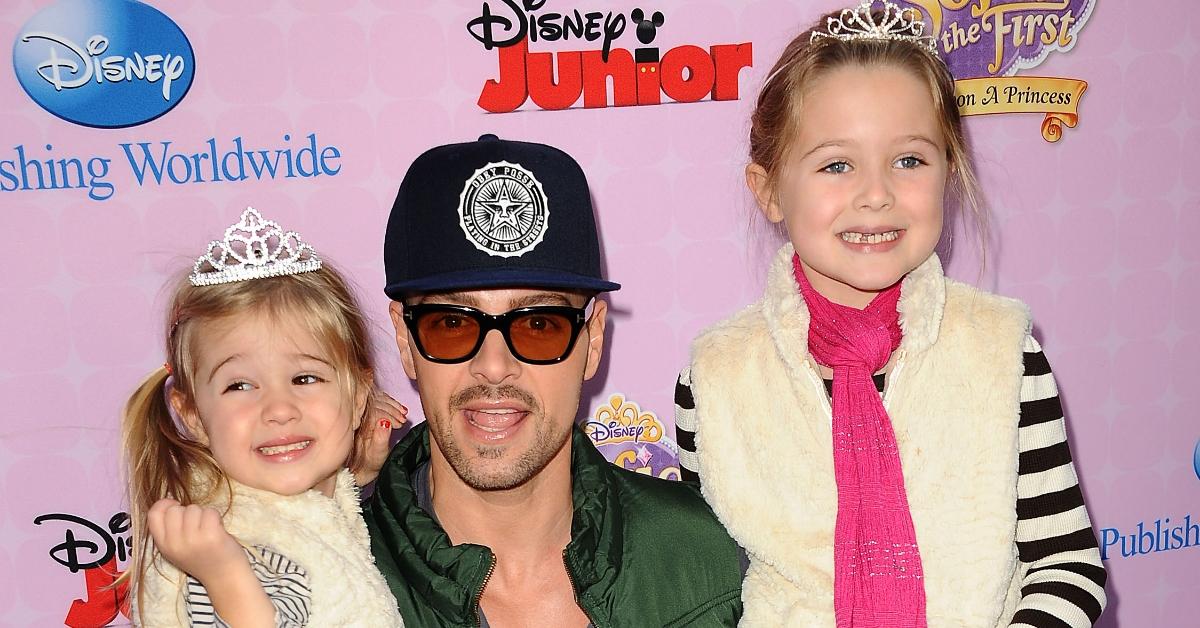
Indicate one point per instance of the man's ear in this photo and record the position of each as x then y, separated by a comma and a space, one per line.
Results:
396, 310
191, 418
595, 330
764, 193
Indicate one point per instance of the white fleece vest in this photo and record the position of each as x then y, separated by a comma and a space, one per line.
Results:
766, 455
327, 537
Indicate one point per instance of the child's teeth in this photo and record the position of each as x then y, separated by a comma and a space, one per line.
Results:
279, 449
869, 238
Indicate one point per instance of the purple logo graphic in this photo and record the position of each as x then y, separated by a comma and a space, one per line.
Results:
999, 38
658, 459
633, 438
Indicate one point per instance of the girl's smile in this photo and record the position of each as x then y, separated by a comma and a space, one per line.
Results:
288, 448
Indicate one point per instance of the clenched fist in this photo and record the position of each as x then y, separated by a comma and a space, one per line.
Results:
193, 539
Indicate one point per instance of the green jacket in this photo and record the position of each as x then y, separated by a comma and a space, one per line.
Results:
644, 552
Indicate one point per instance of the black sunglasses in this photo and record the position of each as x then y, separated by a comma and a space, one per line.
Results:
450, 334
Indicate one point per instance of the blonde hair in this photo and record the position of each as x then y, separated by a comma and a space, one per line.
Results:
163, 459
776, 116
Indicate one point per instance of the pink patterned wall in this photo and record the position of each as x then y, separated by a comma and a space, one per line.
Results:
1092, 231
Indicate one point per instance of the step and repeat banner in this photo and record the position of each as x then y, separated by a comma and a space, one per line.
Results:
133, 133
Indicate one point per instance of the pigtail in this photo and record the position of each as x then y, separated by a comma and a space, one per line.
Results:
161, 461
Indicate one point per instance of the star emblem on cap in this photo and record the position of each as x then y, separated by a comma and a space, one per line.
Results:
504, 209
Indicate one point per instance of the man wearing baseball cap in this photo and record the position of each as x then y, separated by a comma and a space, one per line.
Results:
498, 511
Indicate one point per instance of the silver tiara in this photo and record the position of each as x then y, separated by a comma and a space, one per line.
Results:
253, 248
896, 23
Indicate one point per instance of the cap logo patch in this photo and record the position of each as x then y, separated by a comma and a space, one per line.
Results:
503, 210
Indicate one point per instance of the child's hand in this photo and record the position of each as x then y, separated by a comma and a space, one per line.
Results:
384, 415
193, 539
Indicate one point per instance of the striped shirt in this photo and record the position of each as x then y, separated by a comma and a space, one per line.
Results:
1064, 584
285, 582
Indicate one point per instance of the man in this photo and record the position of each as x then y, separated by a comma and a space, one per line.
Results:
498, 511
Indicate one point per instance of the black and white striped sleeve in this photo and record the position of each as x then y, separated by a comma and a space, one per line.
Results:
685, 428
285, 582
1064, 584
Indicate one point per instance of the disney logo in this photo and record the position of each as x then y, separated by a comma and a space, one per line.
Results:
105, 64
616, 431
85, 64
94, 546
495, 30
621, 420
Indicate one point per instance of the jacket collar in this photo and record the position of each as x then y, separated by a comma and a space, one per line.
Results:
451, 577
922, 304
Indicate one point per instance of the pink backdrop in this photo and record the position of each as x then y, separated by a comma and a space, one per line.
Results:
1091, 231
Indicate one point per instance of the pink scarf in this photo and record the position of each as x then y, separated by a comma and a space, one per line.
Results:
877, 575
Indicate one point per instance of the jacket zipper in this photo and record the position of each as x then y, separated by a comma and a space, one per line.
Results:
479, 596
575, 588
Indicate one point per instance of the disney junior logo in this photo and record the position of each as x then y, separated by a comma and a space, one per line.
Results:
95, 550
557, 80
103, 63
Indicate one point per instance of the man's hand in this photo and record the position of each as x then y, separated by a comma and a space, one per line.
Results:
384, 415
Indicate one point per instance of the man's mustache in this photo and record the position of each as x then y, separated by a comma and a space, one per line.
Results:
493, 393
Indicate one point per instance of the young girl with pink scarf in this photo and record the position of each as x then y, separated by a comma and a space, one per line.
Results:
887, 444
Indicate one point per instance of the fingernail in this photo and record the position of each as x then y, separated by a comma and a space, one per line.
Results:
384, 423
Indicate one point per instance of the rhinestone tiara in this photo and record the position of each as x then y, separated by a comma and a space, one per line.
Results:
896, 23
253, 248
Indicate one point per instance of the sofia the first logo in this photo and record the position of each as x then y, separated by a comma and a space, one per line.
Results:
986, 43
633, 438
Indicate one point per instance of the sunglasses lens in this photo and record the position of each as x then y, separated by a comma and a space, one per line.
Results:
541, 335
447, 335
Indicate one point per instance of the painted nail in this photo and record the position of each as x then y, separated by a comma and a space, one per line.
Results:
384, 423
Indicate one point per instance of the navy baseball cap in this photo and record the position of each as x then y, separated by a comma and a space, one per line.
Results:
492, 214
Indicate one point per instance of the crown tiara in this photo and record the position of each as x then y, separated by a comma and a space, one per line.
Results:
253, 248
896, 23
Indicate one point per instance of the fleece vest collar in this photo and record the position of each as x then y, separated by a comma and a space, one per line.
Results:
327, 537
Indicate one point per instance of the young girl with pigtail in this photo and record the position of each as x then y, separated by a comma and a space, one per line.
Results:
886, 444
244, 512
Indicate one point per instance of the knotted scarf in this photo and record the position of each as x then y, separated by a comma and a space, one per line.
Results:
877, 575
